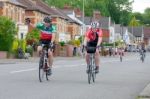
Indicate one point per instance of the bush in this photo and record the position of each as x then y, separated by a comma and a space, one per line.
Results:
29, 50
22, 44
7, 33
33, 37
62, 43
74, 42
77, 43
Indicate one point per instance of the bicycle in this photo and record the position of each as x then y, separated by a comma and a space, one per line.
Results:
142, 56
91, 66
43, 63
121, 56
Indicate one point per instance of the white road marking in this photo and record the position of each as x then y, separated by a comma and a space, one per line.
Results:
25, 70
65, 66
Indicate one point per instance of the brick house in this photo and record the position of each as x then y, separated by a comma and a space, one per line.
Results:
13, 9
34, 12
58, 18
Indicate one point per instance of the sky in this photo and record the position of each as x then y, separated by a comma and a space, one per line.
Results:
140, 5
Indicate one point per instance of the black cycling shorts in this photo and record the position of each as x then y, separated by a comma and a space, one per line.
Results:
45, 42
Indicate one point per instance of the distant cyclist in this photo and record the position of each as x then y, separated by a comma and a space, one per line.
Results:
93, 38
142, 49
47, 36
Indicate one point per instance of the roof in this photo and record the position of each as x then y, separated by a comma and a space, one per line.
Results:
67, 11
14, 2
1, 4
31, 6
51, 10
87, 20
136, 31
104, 22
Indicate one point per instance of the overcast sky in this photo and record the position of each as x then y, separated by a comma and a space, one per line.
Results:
140, 5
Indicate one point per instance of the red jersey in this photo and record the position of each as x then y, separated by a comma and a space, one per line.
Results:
91, 35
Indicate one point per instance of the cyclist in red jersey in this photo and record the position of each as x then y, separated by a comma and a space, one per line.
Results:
93, 38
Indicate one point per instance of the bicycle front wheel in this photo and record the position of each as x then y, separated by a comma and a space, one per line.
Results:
89, 77
142, 59
93, 76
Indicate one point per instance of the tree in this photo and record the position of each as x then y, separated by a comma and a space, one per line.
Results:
146, 16
134, 22
138, 16
119, 10
7, 33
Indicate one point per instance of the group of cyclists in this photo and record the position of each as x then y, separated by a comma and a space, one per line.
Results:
93, 38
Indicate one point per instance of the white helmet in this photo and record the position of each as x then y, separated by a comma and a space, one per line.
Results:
95, 24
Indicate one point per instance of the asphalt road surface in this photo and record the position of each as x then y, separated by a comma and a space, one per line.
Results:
116, 80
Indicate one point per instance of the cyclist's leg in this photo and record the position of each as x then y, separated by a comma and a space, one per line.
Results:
50, 58
87, 57
97, 60
39, 48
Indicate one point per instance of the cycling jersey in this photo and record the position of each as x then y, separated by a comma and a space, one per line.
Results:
92, 37
46, 32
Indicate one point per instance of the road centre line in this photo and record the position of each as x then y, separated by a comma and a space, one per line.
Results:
63, 66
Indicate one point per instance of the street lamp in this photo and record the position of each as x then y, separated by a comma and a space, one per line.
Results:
83, 21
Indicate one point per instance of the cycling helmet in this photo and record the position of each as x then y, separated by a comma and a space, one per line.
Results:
94, 25
47, 19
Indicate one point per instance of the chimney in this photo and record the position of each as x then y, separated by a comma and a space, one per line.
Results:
78, 12
67, 7
96, 15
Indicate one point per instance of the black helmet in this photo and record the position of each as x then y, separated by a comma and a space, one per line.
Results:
47, 19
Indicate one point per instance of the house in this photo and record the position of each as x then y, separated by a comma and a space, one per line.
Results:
108, 29
77, 27
106, 25
34, 12
13, 10
147, 35
118, 32
137, 32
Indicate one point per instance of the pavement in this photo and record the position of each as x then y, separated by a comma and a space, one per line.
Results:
145, 93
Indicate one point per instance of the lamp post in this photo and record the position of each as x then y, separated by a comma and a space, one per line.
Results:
83, 21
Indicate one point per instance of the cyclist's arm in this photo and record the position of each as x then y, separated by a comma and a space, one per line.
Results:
99, 37
99, 41
86, 38
85, 41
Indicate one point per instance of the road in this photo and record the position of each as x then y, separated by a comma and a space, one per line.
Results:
116, 80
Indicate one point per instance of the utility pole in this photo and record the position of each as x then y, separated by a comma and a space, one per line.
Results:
83, 22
